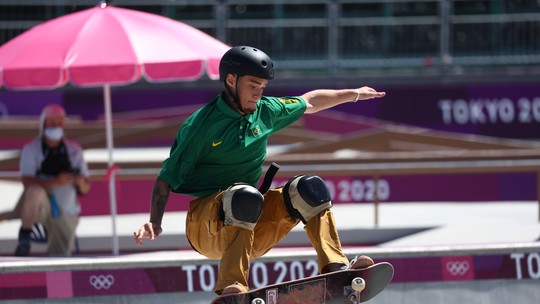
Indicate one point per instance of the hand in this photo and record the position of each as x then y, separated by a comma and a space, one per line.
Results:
82, 184
79, 180
369, 93
148, 230
65, 178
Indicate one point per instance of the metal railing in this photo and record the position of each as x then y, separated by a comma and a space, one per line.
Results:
327, 167
336, 36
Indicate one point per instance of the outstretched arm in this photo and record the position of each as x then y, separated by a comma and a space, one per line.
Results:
152, 229
318, 100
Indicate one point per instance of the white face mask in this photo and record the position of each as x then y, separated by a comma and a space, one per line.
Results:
54, 133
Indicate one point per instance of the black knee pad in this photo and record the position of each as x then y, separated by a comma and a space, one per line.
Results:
306, 196
242, 206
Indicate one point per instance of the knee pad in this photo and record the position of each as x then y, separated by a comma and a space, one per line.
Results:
306, 196
242, 206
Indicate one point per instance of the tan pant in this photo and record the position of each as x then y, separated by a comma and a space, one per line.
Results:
236, 247
61, 230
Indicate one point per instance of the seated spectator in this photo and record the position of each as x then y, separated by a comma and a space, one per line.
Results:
53, 173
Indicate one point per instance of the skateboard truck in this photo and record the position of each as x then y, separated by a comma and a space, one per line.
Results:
353, 292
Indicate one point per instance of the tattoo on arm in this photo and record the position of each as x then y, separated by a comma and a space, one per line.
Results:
160, 196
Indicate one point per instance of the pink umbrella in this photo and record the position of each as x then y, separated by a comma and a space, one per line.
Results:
104, 46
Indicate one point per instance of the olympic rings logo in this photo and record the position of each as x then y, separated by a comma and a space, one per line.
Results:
101, 281
457, 267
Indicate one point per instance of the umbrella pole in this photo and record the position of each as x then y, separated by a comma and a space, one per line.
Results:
112, 184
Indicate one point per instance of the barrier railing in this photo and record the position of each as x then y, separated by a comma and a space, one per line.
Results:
182, 273
177, 258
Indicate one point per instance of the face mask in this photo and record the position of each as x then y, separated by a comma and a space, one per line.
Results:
54, 134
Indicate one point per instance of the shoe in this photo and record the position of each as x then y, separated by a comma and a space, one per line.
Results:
360, 262
234, 289
333, 267
23, 247
22, 250
39, 234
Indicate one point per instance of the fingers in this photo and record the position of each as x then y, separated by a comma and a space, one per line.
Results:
78, 180
369, 93
140, 234
65, 178
138, 238
146, 231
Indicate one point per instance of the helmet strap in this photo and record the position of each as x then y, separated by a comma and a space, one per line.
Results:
233, 99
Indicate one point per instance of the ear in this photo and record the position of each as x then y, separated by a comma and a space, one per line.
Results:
231, 80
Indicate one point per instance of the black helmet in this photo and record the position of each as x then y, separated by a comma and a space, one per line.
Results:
246, 60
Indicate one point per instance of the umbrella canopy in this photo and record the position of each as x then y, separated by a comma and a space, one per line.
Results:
108, 45
104, 46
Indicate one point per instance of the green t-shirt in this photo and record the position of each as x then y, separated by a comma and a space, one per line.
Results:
216, 146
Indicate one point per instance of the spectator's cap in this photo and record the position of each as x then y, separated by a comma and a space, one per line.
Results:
246, 60
50, 111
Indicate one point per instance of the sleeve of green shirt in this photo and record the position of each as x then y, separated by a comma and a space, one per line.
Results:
285, 110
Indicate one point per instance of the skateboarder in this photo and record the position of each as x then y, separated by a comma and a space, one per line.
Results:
218, 157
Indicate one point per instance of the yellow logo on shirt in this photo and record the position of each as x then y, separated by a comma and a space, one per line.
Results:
288, 101
256, 130
215, 144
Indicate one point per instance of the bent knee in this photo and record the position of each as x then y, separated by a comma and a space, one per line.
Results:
306, 196
242, 206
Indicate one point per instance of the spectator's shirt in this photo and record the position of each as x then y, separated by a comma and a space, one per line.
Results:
217, 146
31, 160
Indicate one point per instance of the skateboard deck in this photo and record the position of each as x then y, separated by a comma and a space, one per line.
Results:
346, 286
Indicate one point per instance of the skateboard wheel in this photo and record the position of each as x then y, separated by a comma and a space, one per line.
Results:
257, 301
358, 284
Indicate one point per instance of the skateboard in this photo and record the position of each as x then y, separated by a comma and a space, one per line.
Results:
345, 286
